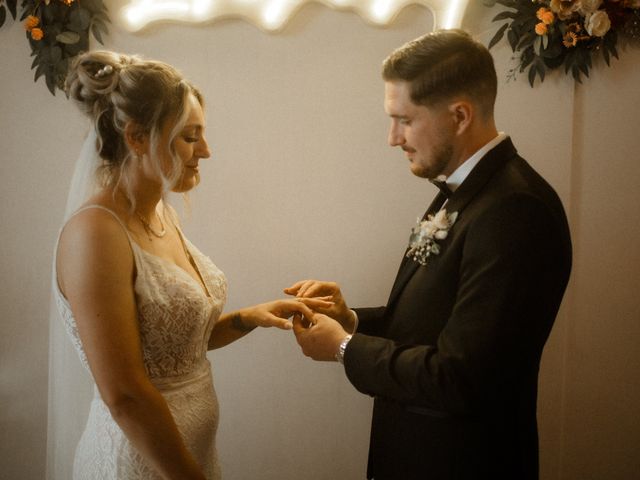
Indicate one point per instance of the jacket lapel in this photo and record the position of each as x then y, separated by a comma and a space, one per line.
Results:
471, 186
480, 175
408, 266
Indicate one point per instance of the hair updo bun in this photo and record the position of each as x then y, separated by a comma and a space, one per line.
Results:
115, 90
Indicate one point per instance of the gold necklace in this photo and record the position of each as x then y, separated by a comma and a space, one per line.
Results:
149, 229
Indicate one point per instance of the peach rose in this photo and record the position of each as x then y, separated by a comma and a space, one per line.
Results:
545, 15
541, 29
37, 34
31, 22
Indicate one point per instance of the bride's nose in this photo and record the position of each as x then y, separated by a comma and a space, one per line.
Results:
203, 148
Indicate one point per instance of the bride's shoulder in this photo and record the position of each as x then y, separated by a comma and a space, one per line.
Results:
93, 249
98, 224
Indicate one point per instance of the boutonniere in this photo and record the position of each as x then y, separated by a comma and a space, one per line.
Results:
423, 240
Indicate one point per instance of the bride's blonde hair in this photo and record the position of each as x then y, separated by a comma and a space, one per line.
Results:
115, 90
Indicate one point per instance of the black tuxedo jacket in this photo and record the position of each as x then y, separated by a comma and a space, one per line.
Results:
452, 360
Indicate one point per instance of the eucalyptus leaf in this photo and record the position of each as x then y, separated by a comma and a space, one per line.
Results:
56, 54
102, 17
569, 60
504, 15
79, 19
13, 7
527, 40
507, 3
92, 5
95, 31
39, 72
541, 69
101, 24
51, 82
3, 15
537, 45
532, 75
45, 54
526, 58
575, 71
68, 37
498, 36
98, 28
614, 52
513, 39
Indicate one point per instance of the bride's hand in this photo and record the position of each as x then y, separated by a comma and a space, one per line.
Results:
277, 313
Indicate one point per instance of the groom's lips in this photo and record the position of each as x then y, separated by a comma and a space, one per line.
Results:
408, 151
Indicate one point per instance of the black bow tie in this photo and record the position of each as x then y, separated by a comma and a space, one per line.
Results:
443, 187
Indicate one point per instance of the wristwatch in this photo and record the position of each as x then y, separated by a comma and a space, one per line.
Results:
342, 348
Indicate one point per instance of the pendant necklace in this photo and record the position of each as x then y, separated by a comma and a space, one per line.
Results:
149, 229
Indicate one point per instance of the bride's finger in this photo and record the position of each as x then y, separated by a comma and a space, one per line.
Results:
281, 323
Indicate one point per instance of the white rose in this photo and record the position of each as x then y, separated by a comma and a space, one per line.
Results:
440, 220
598, 24
441, 234
589, 6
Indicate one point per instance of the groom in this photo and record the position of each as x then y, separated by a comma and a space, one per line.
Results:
452, 359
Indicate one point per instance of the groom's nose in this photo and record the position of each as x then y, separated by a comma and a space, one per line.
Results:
396, 137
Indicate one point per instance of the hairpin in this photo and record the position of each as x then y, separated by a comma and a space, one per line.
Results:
104, 71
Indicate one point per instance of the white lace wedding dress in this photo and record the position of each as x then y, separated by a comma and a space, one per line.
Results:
176, 317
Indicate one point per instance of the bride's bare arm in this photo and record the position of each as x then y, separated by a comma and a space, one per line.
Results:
232, 326
95, 268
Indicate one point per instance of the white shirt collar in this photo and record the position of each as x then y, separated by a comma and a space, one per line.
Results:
463, 171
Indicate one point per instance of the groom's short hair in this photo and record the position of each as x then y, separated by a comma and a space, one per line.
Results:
443, 64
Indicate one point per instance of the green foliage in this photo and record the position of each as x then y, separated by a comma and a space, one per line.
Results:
64, 27
565, 38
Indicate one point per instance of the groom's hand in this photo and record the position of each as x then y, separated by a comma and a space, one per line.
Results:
320, 337
327, 291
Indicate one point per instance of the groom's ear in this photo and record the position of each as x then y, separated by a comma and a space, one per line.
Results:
462, 113
136, 138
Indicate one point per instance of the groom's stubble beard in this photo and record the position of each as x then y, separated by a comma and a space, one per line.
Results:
441, 158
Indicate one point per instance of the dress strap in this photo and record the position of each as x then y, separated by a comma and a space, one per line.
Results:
113, 214
132, 244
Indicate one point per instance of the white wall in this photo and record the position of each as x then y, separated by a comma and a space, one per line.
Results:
301, 184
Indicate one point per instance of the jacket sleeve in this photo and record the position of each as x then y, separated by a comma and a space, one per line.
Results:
513, 272
370, 320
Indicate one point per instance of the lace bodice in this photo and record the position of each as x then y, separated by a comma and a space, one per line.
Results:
175, 314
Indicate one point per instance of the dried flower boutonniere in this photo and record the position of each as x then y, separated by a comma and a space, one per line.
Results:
422, 242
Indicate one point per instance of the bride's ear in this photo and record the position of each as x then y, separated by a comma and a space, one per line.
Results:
136, 138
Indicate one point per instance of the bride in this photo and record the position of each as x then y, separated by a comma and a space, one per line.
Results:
140, 302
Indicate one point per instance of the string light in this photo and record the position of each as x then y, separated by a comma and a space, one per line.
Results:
272, 15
